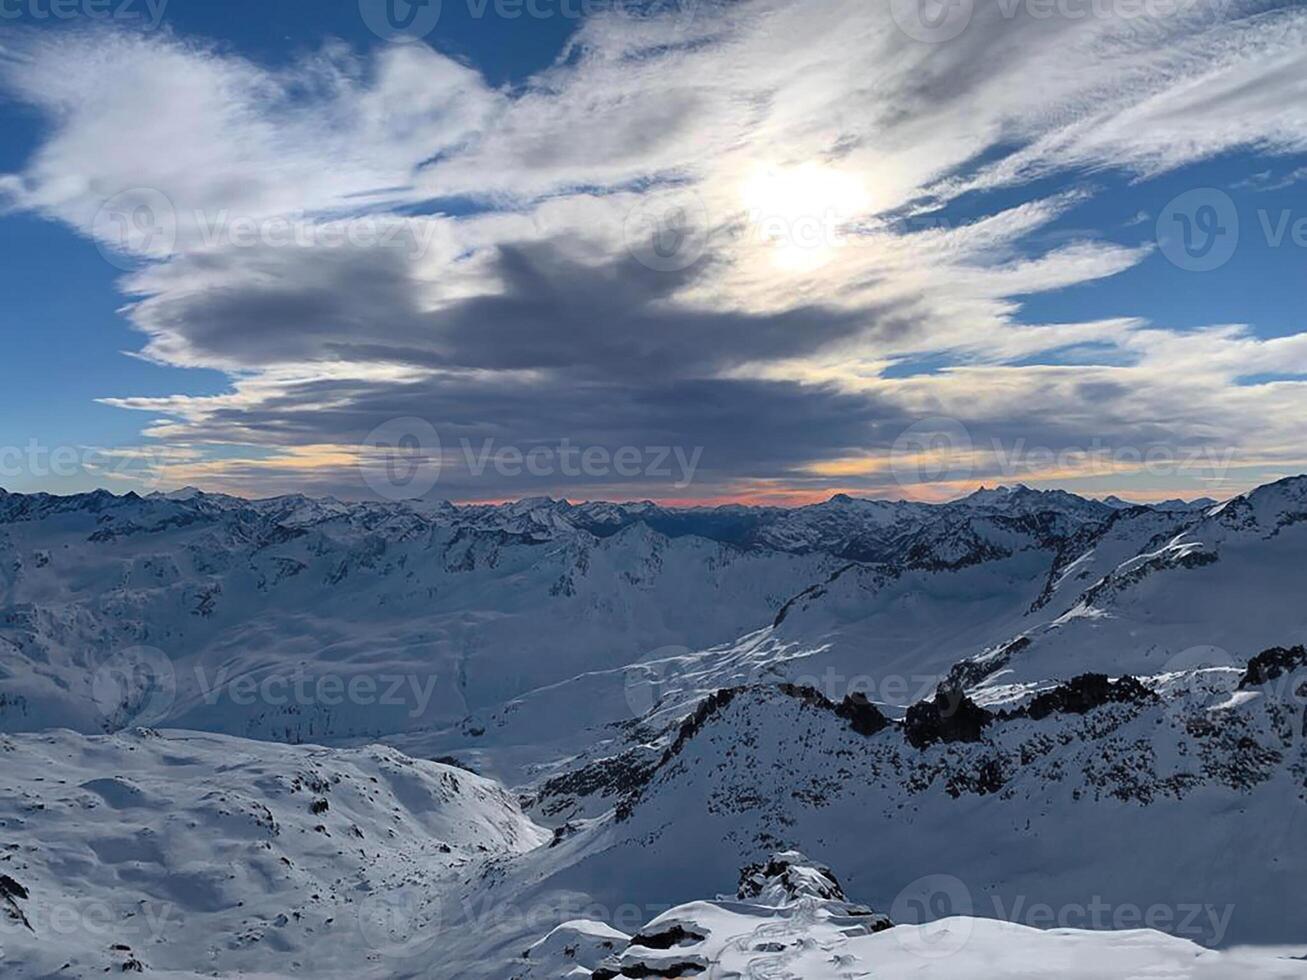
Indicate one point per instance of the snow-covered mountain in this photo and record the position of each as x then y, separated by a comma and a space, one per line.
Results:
1019, 700
235, 609
466, 609
1093, 777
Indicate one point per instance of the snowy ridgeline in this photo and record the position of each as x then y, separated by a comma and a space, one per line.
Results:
1024, 711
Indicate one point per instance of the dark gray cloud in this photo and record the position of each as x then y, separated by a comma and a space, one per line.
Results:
735, 430
551, 312
249, 307
596, 356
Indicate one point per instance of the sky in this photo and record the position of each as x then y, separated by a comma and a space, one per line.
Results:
682, 250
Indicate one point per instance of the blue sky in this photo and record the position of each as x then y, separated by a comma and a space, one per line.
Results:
895, 266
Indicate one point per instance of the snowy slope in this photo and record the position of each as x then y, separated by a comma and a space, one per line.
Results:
1031, 596
188, 852
1149, 595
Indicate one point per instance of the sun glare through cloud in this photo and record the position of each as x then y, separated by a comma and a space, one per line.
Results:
801, 214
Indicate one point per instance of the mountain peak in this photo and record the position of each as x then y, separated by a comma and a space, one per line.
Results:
1005, 494
786, 878
187, 492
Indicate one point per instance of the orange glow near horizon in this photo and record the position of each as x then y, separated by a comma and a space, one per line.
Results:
291, 471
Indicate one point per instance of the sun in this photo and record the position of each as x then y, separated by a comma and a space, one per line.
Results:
799, 214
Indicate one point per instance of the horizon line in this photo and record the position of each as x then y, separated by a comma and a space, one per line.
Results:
814, 497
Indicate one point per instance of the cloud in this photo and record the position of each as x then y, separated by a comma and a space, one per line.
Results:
688, 232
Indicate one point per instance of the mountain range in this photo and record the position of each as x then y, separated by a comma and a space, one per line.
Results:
1017, 701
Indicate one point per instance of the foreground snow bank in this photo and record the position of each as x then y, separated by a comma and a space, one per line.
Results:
790, 920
